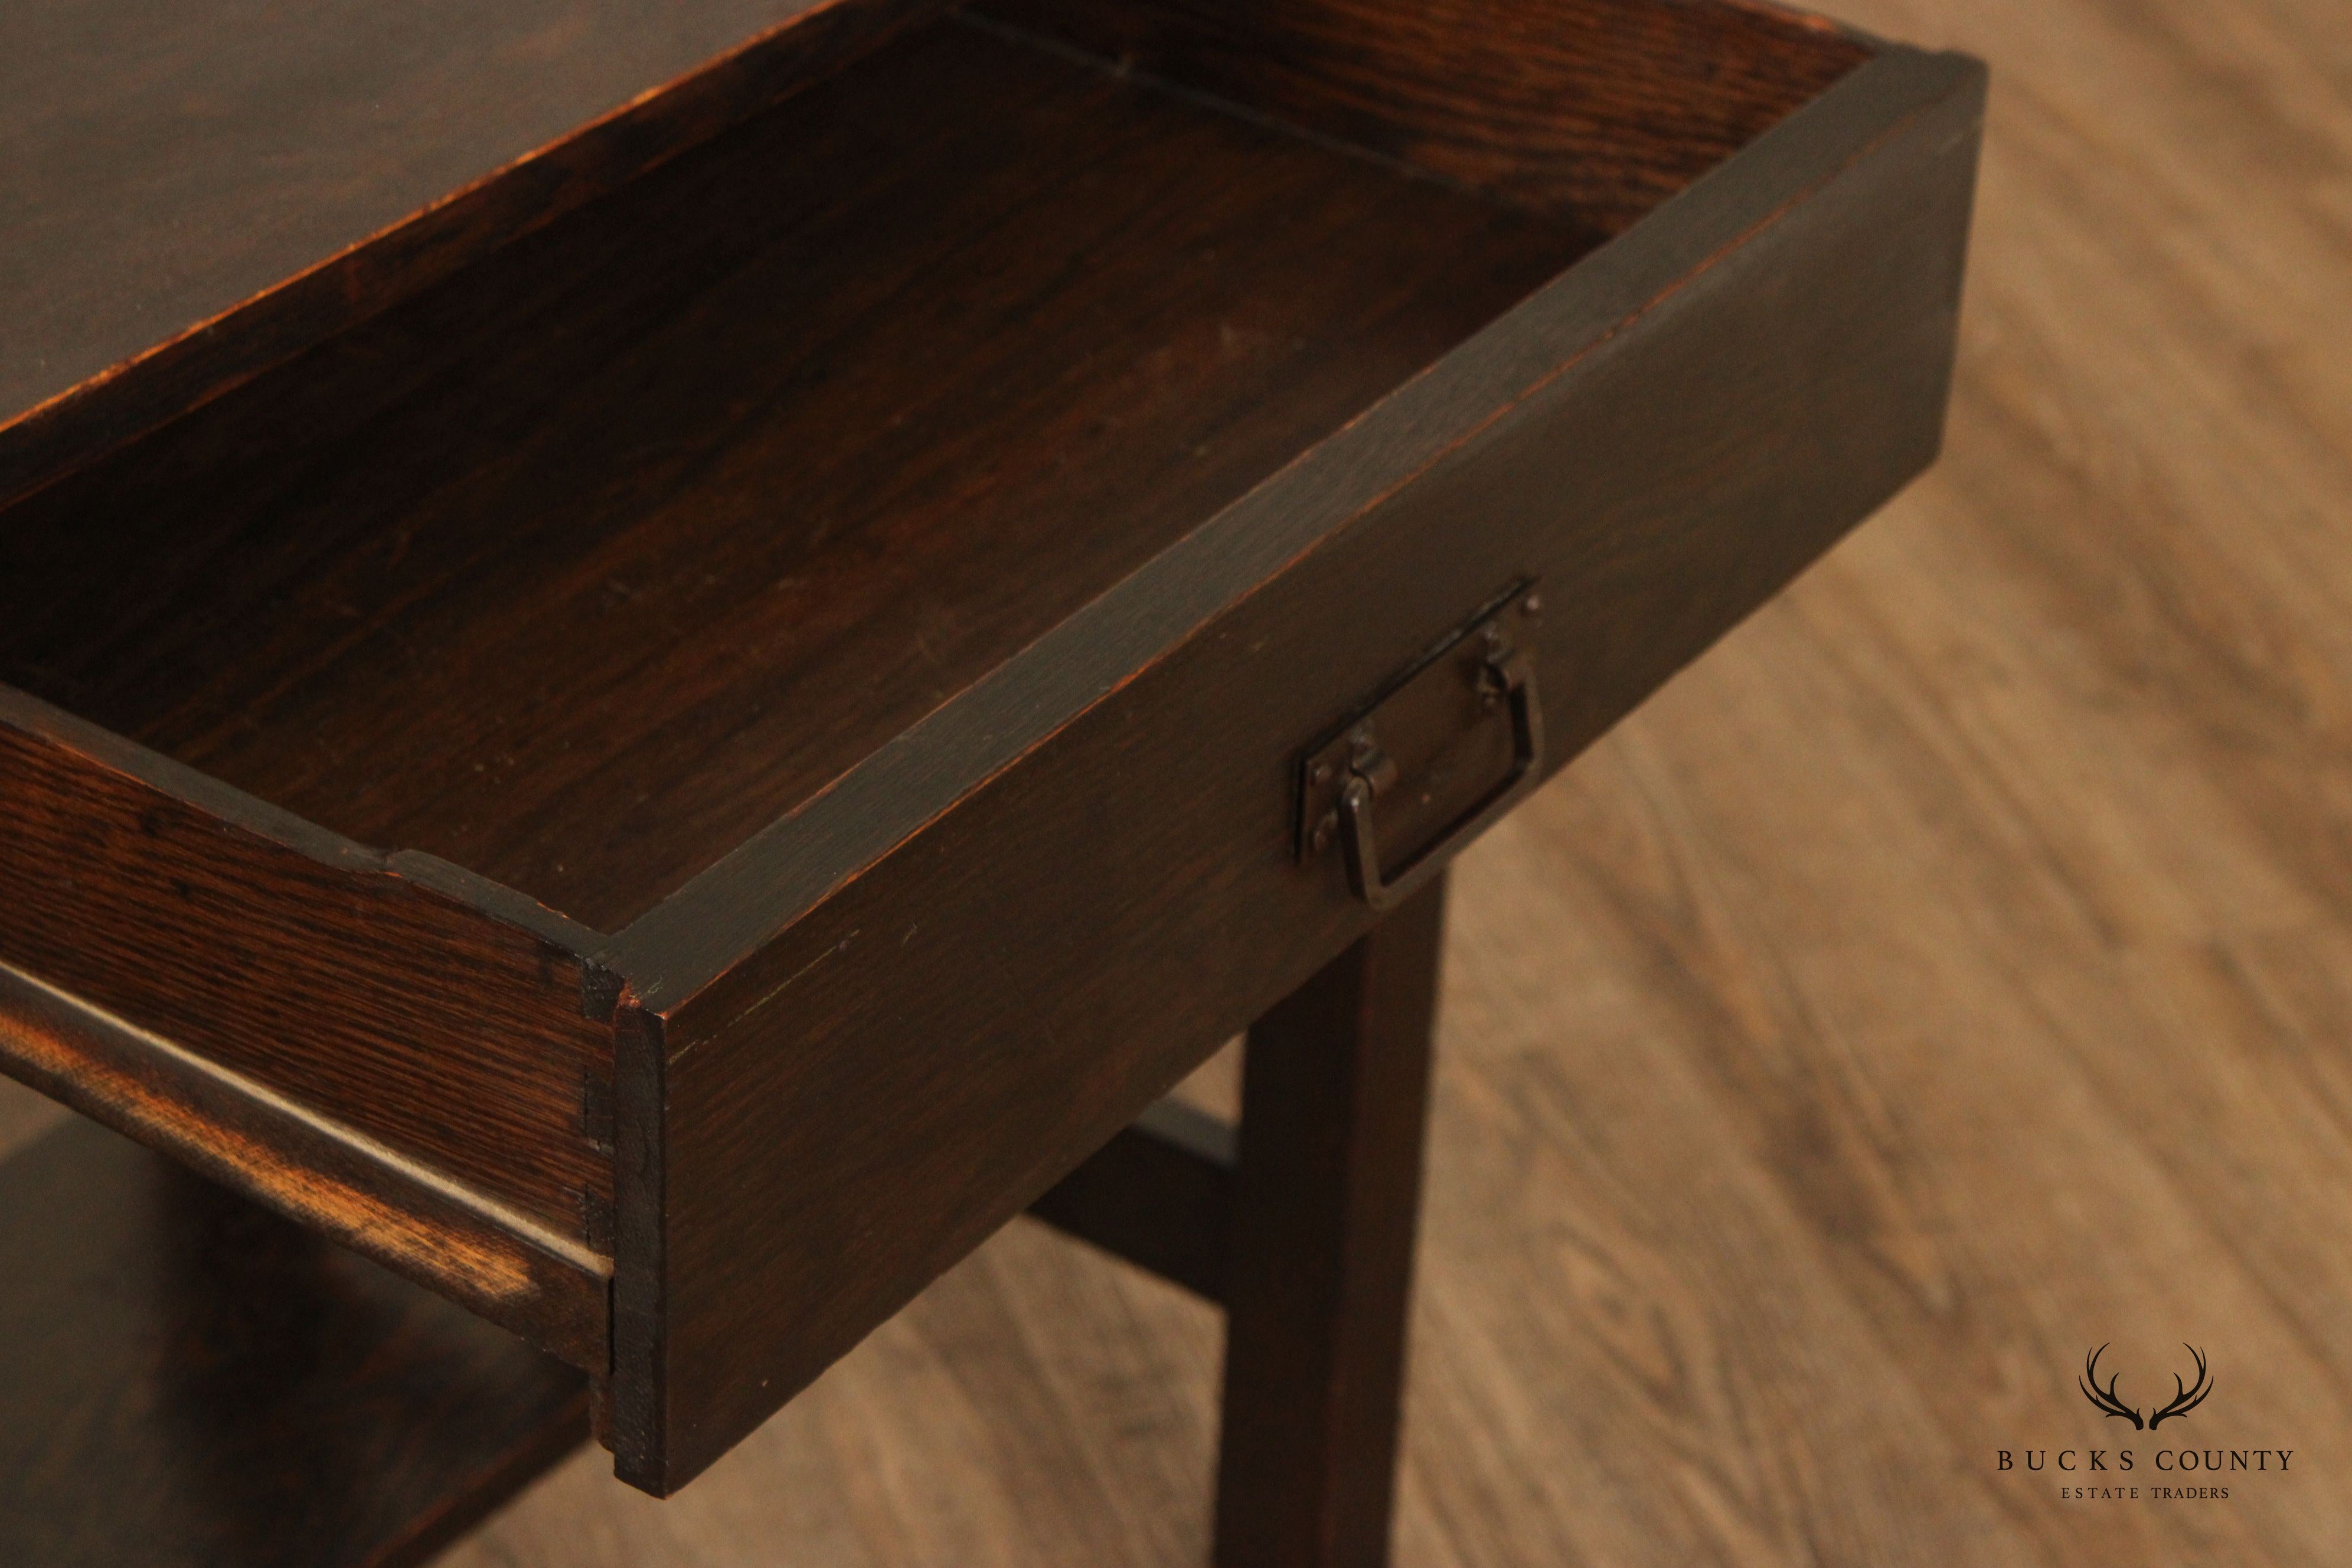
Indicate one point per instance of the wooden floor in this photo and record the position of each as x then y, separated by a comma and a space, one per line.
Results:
1952, 973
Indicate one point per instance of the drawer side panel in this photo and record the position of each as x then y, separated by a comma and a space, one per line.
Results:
182, 959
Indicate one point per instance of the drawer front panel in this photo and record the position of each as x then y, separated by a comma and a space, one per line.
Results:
810, 1137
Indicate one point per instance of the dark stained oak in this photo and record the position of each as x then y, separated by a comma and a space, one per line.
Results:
1599, 107
1159, 1194
187, 1382
1040, 323
827, 628
1956, 960
195, 193
323, 1172
381, 1044
592, 565
1300, 1224
1327, 1197
1120, 896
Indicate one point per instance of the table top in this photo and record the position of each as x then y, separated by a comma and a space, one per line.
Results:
163, 163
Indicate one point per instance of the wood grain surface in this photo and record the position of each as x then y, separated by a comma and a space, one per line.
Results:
984, 995
1945, 975
201, 190
346, 1035
1319, 1295
587, 566
499, 575
311, 1167
1600, 108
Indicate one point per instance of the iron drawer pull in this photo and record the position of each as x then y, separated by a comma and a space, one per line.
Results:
1510, 679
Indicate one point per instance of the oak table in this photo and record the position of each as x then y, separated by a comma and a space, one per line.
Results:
892, 575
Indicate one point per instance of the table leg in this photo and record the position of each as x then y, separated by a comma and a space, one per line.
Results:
1335, 1087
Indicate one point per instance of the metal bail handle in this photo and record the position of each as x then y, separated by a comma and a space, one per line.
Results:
1514, 675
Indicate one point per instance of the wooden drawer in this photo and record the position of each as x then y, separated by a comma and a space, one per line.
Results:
835, 598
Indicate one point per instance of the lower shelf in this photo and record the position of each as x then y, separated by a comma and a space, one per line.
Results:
185, 1379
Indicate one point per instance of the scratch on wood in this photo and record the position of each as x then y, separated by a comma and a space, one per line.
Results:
836, 950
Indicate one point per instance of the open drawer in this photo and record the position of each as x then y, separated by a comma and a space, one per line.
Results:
842, 622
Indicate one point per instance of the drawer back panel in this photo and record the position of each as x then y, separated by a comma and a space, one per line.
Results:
1602, 108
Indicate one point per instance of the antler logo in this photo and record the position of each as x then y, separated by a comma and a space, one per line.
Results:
2186, 1398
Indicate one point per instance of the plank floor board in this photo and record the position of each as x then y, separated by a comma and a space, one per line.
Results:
1951, 972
